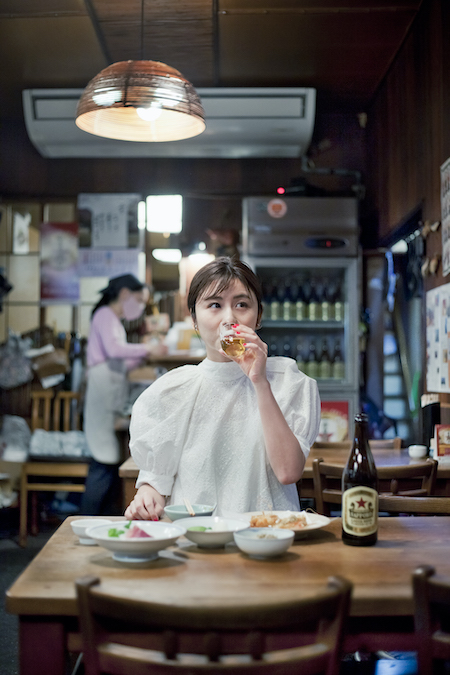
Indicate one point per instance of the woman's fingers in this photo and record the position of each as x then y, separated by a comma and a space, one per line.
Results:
143, 509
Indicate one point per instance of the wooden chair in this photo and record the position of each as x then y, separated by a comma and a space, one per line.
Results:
415, 506
49, 476
127, 635
431, 619
412, 480
375, 444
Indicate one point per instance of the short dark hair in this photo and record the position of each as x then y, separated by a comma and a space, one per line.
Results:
222, 272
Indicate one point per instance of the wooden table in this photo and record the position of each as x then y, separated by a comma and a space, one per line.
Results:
129, 471
43, 596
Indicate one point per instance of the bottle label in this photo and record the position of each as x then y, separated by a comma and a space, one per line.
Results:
360, 511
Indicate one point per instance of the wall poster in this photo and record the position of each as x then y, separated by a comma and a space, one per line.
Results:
109, 220
438, 338
445, 216
59, 260
333, 421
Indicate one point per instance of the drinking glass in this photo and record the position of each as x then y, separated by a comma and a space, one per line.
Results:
232, 344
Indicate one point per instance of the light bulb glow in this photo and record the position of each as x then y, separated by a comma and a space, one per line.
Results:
150, 114
167, 255
165, 213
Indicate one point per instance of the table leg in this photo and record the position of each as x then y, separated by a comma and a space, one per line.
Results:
41, 647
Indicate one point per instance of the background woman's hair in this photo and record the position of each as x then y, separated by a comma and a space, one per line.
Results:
220, 273
115, 285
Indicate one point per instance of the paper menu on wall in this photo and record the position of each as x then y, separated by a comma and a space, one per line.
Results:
438, 338
445, 216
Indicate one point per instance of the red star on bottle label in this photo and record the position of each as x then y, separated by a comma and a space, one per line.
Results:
361, 503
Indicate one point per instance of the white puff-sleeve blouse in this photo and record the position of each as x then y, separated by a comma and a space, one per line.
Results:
197, 432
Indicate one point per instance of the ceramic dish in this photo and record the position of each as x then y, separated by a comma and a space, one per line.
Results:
139, 549
79, 527
176, 511
264, 542
314, 521
213, 532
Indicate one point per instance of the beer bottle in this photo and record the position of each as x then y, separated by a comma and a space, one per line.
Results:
325, 363
360, 491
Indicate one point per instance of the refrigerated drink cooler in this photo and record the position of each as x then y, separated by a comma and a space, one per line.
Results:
305, 251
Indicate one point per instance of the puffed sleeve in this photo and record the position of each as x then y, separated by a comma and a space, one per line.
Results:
158, 426
298, 398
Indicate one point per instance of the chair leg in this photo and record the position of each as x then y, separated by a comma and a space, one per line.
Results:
23, 525
34, 528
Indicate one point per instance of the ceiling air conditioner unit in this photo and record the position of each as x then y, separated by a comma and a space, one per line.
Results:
262, 122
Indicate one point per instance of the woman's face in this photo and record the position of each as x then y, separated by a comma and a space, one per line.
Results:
233, 305
133, 303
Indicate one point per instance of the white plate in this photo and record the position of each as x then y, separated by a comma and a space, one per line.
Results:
315, 520
137, 550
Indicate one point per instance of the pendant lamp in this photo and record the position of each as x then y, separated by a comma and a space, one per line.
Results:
140, 101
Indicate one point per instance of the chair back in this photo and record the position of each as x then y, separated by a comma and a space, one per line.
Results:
375, 444
54, 413
436, 506
138, 636
409, 480
431, 618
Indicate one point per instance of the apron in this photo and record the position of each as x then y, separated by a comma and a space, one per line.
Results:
106, 396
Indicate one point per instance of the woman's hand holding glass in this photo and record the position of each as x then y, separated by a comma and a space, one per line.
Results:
254, 357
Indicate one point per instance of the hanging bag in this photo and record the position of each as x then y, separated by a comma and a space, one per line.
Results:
15, 367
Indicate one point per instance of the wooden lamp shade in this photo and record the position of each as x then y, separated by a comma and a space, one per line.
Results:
145, 101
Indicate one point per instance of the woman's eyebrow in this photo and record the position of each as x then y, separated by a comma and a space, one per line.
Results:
220, 297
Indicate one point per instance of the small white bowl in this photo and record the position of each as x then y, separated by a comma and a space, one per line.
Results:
79, 528
161, 535
220, 530
177, 511
417, 451
264, 542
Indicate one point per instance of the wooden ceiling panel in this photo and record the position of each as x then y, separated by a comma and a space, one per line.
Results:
342, 48
154, 10
28, 8
319, 6
331, 52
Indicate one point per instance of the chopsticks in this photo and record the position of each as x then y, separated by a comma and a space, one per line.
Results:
189, 506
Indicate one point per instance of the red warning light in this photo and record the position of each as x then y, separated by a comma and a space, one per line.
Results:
281, 190
328, 243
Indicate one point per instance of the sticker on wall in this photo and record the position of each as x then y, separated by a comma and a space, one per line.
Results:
21, 233
277, 208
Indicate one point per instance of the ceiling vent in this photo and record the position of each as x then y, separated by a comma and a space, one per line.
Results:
274, 122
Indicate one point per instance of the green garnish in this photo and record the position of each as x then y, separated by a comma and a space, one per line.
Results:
127, 526
114, 532
198, 528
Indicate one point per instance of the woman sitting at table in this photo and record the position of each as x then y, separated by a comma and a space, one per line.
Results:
233, 430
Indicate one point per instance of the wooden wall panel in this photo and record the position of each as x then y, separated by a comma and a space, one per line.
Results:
405, 127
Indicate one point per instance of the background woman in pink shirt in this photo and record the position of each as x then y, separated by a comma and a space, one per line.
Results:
109, 357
